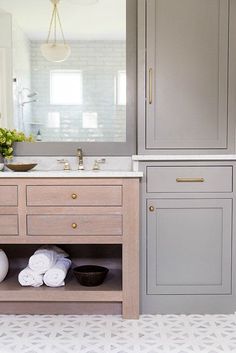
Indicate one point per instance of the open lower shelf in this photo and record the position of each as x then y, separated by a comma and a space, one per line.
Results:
109, 291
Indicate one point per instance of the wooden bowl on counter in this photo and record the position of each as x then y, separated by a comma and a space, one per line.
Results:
21, 167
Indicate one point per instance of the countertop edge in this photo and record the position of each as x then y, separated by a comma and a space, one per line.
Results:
71, 175
142, 158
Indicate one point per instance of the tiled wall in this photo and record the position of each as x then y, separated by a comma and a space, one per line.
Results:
99, 62
22, 74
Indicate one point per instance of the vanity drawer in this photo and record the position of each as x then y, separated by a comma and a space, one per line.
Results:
190, 179
8, 225
8, 195
70, 225
78, 195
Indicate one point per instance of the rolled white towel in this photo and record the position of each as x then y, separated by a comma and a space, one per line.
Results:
55, 277
45, 258
28, 277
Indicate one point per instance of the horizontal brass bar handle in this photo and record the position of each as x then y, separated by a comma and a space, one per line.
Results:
150, 86
190, 180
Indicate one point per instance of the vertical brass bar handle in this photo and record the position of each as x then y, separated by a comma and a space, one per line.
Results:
150, 86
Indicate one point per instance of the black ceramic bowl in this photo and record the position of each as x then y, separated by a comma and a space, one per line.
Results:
90, 275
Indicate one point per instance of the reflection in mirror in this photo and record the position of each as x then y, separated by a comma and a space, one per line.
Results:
84, 97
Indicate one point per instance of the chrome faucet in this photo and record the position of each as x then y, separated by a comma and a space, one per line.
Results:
80, 159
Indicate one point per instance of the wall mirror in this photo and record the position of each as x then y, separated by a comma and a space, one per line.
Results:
85, 98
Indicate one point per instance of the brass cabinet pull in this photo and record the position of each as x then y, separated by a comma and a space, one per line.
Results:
151, 209
150, 86
74, 225
190, 180
74, 196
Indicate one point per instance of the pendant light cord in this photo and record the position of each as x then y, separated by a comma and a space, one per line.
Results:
54, 18
51, 22
59, 21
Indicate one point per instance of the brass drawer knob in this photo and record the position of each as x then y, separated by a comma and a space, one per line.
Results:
74, 196
151, 209
74, 225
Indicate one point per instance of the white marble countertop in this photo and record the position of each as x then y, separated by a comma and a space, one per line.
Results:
212, 157
72, 174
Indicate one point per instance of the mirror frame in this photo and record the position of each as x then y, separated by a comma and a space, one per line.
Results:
102, 148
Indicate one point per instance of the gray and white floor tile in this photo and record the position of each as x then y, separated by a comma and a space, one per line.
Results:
111, 334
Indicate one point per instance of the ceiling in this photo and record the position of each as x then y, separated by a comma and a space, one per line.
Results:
81, 19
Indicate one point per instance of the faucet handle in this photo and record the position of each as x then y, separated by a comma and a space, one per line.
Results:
66, 163
97, 162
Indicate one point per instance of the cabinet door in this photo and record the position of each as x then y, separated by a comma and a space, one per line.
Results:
187, 68
189, 246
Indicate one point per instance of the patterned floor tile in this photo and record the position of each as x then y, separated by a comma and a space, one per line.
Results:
111, 334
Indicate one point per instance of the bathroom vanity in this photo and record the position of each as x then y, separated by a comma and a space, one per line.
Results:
177, 58
98, 210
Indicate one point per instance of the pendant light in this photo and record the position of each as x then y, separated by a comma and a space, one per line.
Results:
54, 50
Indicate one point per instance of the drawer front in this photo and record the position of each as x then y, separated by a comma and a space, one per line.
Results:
69, 225
8, 225
8, 195
74, 195
189, 179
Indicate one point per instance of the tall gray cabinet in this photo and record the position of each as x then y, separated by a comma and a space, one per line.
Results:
187, 106
187, 76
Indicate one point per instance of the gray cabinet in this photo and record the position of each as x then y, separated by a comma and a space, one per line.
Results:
189, 246
187, 62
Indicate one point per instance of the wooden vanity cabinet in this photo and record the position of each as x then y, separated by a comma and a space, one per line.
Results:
73, 211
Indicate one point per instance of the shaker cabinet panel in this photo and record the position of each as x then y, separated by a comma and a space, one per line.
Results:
189, 246
187, 74
8, 195
9, 225
68, 225
74, 195
190, 179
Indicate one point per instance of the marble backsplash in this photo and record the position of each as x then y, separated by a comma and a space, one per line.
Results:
52, 163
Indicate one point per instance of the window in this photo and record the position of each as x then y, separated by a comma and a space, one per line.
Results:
120, 88
90, 120
66, 87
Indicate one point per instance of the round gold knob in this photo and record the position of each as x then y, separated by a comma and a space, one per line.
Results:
74, 196
151, 209
74, 225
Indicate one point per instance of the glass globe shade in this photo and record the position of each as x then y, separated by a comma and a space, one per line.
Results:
55, 52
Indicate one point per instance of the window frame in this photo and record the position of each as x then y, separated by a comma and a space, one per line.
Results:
127, 148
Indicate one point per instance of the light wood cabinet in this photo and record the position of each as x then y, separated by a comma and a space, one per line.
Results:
74, 195
186, 69
8, 195
75, 224
8, 224
72, 213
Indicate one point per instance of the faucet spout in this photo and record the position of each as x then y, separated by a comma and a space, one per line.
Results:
80, 159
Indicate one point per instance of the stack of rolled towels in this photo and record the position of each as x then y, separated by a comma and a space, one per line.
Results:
49, 265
